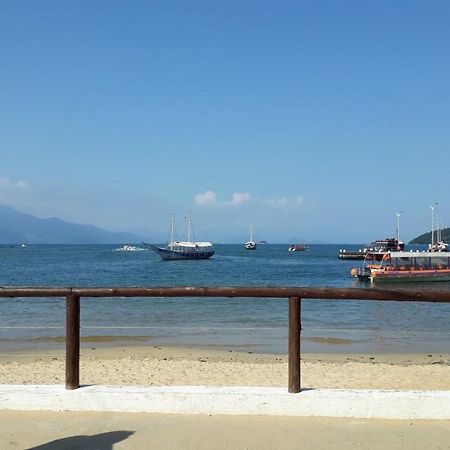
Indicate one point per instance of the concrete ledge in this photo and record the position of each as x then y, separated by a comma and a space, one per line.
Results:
230, 400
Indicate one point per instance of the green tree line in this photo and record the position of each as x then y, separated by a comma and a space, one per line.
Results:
426, 237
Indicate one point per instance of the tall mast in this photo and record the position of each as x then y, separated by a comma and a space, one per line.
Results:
398, 225
438, 228
189, 227
172, 231
432, 222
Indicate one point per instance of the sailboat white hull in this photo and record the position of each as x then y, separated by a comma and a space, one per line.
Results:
250, 245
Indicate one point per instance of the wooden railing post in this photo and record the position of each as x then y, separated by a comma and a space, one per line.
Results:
294, 344
72, 341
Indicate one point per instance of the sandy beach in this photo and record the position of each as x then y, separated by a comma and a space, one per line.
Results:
161, 365
166, 366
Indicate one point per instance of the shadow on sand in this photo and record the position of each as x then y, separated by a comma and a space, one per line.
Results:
102, 441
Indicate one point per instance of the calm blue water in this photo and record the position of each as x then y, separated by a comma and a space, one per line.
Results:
245, 324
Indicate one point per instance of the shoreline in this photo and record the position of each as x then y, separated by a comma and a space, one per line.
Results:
312, 342
192, 366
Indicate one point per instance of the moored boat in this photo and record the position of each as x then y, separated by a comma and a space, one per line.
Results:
179, 250
406, 267
439, 246
376, 249
250, 244
128, 248
298, 248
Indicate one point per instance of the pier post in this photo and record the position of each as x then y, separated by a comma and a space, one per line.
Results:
294, 344
72, 341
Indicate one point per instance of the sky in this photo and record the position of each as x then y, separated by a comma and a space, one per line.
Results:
313, 121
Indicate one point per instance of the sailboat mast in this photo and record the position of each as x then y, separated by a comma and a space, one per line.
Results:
189, 227
172, 231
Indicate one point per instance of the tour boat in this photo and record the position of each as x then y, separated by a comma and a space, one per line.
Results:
178, 250
377, 248
406, 266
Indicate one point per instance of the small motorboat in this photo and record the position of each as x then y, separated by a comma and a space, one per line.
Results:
298, 248
128, 248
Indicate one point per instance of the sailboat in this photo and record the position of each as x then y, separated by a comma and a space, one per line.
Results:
437, 245
250, 244
189, 249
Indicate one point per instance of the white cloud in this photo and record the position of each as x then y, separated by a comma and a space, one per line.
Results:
206, 198
240, 197
7, 183
209, 198
282, 201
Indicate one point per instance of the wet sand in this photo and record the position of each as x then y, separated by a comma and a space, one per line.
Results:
165, 366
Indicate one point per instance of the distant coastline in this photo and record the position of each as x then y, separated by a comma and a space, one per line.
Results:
20, 228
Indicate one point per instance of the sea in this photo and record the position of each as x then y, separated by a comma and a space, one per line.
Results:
240, 324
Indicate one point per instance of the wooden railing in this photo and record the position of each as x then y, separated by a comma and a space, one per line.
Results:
293, 294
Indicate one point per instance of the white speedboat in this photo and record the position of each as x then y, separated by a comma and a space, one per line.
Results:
128, 248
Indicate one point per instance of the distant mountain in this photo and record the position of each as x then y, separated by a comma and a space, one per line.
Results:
17, 227
426, 237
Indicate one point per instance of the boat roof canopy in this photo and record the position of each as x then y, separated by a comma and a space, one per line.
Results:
192, 244
419, 254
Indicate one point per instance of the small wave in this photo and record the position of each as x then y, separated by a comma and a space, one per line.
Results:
98, 339
330, 341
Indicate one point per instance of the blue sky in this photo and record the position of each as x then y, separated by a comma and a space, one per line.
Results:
311, 120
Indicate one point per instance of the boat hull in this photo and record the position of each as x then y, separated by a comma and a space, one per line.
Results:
376, 256
172, 255
405, 277
298, 248
352, 255
250, 245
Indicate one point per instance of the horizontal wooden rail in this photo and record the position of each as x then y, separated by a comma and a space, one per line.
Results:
293, 294
234, 291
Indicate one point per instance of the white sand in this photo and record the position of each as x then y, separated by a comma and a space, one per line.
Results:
165, 366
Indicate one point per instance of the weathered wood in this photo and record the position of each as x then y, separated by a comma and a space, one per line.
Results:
398, 294
295, 294
294, 383
72, 341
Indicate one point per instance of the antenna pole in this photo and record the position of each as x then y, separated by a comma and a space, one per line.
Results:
398, 225
432, 223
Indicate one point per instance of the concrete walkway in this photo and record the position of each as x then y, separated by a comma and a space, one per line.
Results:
338, 403
43, 430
